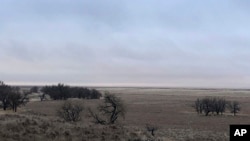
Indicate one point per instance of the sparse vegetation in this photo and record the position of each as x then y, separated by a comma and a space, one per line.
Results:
42, 121
42, 128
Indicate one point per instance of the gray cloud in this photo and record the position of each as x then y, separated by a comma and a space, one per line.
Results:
164, 43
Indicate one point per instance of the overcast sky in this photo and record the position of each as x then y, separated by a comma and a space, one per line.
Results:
172, 43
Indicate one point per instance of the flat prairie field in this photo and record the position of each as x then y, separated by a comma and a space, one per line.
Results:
167, 108
172, 108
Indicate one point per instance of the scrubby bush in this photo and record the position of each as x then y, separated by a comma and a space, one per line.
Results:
70, 111
151, 128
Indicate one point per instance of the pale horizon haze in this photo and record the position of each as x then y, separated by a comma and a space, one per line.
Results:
161, 43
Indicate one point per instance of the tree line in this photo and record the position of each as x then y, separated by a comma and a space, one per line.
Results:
63, 92
13, 97
215, 105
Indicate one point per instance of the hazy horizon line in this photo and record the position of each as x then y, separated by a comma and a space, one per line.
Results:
122, 85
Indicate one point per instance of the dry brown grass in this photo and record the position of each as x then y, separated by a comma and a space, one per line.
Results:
168, 109
40, 128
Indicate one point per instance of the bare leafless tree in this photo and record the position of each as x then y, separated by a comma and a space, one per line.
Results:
234, 107
16, 98
198, 106
207, 105
98, 119
11, 97
111, 109
220, 105
210, 105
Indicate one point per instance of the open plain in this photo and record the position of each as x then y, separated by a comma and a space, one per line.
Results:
168, 109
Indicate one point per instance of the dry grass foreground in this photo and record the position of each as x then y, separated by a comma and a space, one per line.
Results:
168, 109
16, 127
